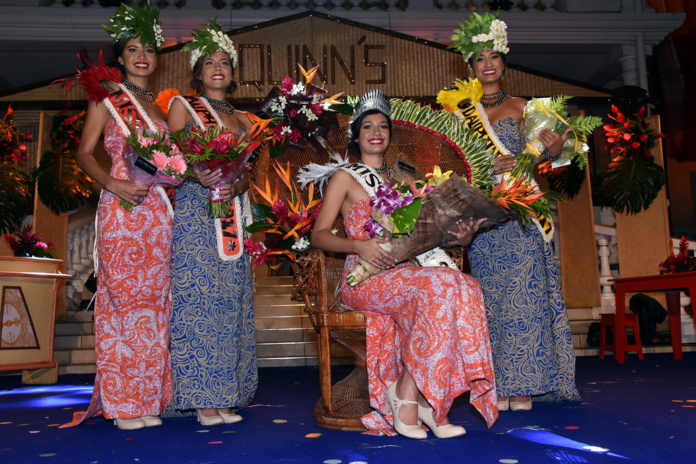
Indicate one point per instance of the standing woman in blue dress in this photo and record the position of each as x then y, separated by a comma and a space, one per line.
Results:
533, 354
212, 340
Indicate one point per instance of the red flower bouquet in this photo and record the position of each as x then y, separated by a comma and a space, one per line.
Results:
684, 261
24, 242
630, 137
153, 158
219, 148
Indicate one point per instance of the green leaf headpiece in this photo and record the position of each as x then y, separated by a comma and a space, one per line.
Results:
208, 40
480, 33
132, 21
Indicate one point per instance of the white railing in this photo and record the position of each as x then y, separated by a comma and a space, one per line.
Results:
80, 259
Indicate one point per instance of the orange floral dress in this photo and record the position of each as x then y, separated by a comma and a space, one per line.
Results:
133, 305
430, 320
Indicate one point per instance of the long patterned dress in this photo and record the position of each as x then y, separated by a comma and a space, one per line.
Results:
133, 303
213, 343
531, 341
429, 320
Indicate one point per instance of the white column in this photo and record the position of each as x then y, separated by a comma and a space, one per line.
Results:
608, 300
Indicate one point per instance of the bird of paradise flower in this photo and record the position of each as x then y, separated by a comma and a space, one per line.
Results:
286, 219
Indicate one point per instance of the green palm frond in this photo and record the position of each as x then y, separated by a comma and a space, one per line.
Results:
567, 180
480, 159
60, 183
16, 199
631, 185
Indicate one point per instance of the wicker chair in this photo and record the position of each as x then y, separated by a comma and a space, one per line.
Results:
317, 281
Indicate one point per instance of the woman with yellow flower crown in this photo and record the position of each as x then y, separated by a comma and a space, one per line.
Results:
133, 302
213, 345
533, 355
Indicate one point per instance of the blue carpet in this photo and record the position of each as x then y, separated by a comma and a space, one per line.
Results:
639, 412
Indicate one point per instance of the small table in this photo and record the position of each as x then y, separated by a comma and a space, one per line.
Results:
671, 285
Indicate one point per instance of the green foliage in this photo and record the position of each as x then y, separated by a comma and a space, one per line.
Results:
567, 180
60, 183
630, 186
16, 199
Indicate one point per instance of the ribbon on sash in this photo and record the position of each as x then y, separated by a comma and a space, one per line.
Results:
127, 113
369, 180
475, 118
229, 229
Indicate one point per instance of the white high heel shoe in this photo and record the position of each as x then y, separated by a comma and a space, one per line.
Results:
440, 431
394, 403
129, 424
209, 421
230, 418
151, 421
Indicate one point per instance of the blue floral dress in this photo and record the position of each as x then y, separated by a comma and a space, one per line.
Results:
531, 342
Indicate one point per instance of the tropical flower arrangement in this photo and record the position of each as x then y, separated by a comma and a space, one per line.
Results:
15, 188
684, 261
24, 242
633, 179
287, 222
219, 148
60, 183
298, 110
153, 158
523, 198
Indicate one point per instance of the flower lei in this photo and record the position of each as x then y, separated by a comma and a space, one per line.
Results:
134, 21
208, 40
480, 33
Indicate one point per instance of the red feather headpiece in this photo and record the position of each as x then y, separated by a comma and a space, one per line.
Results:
90, 76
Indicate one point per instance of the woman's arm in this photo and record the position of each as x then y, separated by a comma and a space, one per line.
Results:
340, 195
178, 116
97, 117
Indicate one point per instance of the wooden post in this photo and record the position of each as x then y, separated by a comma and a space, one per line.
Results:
52, 227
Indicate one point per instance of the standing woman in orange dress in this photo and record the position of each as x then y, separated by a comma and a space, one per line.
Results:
427, 337
133, 301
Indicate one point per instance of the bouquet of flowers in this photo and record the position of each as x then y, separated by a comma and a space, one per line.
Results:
630, 137
551, 113
24, 242
287, 221
300, 112
219, 148
417, 218
684, 261
153, 158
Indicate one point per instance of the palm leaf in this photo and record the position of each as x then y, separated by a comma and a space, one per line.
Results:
630, 186
16, 199
60, 183
566, 180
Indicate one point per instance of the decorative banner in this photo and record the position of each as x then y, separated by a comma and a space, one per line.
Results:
16, 327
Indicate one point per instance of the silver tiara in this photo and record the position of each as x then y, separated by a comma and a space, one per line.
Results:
373, 100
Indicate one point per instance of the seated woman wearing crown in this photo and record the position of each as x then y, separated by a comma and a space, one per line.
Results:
427, 336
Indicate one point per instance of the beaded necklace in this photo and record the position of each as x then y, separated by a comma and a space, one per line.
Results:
496, 98
220, 106
145, 94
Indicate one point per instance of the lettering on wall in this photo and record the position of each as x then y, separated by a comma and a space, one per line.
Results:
263, 65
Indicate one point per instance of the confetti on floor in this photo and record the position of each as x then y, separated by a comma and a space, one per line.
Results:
333, 461
215, 442
279, 421
47, 455
508, 461
572, 427
313, 435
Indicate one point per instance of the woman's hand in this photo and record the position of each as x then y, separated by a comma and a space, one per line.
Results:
128, 191
206, 177
371, 251
504, 163
240, 186
464, 231
553, 141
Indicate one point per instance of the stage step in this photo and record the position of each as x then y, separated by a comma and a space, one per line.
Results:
284, 335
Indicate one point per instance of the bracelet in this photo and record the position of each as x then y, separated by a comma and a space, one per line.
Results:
545, 154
